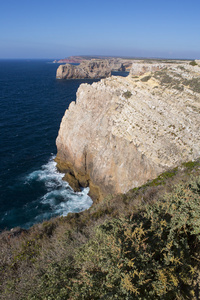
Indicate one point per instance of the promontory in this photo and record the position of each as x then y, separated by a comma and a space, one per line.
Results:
124, 131
92, 69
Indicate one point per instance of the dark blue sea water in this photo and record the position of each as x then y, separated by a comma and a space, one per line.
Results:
32, 103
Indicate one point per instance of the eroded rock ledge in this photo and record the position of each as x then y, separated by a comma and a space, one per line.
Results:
123, 132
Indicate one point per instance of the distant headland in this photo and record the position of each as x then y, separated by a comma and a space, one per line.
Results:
95, 67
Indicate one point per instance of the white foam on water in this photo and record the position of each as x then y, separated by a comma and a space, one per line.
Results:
82, 201
59, 199
49, 175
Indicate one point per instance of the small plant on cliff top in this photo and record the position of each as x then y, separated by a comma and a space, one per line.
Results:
145, 79
127, 94
193, 63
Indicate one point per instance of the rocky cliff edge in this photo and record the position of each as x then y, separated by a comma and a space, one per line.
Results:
124, 131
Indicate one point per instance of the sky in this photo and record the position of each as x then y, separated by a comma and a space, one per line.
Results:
58, 29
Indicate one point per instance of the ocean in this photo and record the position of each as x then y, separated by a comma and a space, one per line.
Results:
32, 104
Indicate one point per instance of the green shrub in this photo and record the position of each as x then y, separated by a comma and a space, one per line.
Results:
145, 79
193, 63
127, 94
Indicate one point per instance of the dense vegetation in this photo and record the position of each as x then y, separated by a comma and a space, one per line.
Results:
141, 245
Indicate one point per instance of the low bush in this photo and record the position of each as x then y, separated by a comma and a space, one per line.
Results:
193, 63
153, 255
127, 94
145, 78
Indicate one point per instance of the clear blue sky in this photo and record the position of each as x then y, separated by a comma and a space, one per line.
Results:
57, 29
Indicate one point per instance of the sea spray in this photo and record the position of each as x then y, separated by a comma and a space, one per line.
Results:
59, 199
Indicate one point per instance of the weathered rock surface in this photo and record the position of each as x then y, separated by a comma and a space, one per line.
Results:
122, 132
140, 67
116, 64
87, 69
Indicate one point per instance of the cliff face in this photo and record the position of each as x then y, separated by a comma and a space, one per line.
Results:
87, 69
123, 132
116, 64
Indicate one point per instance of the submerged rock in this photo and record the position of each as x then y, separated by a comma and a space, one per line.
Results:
124, 131
93, 69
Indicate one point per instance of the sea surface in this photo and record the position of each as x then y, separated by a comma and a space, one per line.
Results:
32, 104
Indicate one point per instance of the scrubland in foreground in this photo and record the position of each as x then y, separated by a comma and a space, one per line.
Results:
140, 245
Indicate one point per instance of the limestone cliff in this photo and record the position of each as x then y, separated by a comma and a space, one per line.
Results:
122, 132
87, 69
